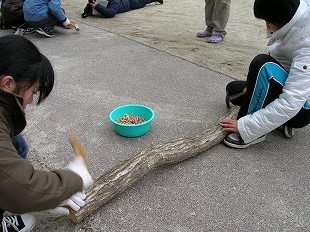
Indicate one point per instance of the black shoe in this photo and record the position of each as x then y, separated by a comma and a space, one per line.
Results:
288, 132
234, 140
84, 15
27, 29
15, 223
88, 10
160, 1
14, 29
24, 31
46, 32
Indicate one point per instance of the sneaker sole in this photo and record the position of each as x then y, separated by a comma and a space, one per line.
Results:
203, 36
215, 41
43, 33
21, 32
32, 228
289, 134
261, 139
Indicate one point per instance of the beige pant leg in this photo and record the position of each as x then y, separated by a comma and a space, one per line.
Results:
216, 16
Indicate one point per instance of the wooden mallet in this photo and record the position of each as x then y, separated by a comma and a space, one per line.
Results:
79, 152
78, 148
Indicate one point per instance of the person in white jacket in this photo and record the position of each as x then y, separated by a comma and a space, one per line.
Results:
277, 89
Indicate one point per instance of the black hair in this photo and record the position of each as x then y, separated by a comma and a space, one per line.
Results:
22, 60
277, 12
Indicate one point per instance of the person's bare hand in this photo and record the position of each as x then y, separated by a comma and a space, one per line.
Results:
230, 125
93, 4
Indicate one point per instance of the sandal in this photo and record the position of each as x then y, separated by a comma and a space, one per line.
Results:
204, 33
215, 39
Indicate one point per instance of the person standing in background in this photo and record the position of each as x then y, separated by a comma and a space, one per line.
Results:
216, 17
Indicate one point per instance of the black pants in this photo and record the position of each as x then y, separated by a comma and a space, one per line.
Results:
50, 22
272, 92
16, 23
1, 214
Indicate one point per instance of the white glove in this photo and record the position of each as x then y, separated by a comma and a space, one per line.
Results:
75, 202
78, 166
66, 22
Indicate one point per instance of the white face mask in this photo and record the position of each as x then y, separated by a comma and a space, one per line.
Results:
269, 33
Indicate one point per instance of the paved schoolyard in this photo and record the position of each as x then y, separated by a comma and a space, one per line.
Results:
264, 187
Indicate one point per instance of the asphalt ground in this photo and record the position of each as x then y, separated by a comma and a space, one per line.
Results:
262, 188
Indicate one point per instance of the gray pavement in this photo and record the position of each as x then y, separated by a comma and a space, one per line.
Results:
262, 188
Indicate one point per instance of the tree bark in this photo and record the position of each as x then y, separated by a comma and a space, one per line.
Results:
127, 172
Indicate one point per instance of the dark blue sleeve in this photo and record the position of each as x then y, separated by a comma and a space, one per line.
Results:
110, 11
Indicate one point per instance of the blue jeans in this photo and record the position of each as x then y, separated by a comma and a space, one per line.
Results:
20, 145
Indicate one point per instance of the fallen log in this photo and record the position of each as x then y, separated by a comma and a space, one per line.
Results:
116, 180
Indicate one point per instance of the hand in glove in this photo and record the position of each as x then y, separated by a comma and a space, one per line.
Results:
70, 24
78, 166
75, 202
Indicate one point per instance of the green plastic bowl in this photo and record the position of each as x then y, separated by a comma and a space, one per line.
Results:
132, 130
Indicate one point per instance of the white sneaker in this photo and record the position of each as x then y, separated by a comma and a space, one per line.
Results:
21, 223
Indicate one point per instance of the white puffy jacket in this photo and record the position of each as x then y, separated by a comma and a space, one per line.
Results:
290, 45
